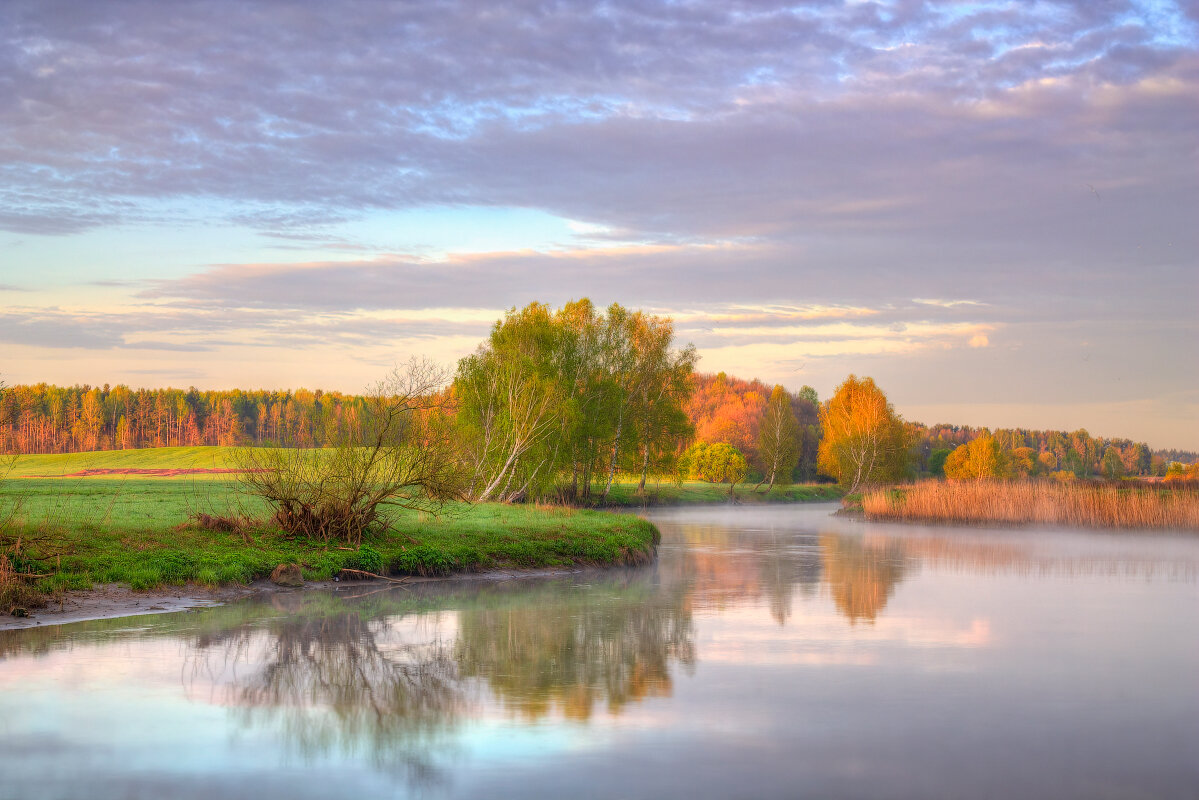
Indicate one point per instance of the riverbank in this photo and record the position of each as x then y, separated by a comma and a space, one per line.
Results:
626, 495
172, 522
115, 601
149, 533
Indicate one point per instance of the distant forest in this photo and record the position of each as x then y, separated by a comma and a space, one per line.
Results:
43, 418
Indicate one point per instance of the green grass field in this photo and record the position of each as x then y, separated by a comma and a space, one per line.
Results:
58, 465
625, 495
142, 531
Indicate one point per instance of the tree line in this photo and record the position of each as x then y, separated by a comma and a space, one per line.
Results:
43, 418
560, 402
1038, 452
865, 443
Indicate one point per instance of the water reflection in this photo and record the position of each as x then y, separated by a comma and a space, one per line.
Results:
784, 568
764, 649
331, 678
575, 648
726, 566
385, 677
861, 577
859, 567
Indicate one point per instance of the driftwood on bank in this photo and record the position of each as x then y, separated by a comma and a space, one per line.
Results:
361, 573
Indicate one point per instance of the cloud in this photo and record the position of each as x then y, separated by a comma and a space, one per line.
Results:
758, 169
946, 303
702, 119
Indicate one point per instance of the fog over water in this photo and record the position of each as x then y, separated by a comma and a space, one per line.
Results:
770, 652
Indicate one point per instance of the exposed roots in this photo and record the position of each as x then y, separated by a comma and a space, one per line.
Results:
330, 522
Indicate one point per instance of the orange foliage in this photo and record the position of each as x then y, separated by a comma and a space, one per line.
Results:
727, 409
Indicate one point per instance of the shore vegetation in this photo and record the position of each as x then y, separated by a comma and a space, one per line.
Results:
1075, 503
151, 532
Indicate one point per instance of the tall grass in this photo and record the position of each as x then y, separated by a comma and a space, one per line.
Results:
1022, 502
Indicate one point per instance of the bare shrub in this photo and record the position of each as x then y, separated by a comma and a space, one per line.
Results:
400, 453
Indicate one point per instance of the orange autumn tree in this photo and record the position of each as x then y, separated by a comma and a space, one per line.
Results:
727, 409
865, 441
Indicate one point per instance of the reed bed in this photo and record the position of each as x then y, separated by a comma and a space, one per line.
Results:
1024, 502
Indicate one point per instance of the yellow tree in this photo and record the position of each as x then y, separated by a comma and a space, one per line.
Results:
980, 458
864, 439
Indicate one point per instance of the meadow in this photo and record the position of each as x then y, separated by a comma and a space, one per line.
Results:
96, 518
150, 458
1132, 505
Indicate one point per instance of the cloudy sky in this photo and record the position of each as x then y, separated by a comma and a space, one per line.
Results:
990, 207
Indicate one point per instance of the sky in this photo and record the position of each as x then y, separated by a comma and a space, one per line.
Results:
992, 208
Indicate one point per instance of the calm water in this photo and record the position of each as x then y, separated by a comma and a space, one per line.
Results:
774, 652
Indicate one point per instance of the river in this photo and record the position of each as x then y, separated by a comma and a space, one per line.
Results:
771, 652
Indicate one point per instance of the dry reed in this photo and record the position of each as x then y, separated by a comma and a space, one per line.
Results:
16, 595
1022, 502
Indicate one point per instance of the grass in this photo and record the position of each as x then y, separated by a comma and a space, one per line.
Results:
625, 494
1026, 502
139, 531
59, 464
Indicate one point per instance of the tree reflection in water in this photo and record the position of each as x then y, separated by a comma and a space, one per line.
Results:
334, 679
334, 676
782, 568
861, 575
571, 648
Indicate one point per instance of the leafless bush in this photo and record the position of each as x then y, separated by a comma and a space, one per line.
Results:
401, 454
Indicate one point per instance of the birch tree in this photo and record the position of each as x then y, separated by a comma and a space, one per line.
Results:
778, 439
864, 439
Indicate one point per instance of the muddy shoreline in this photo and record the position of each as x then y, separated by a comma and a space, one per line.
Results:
110, 601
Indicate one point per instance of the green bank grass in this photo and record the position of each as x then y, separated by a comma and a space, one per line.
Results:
625, 494
141, 531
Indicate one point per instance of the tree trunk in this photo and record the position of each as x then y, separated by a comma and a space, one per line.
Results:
644, 466
615, 453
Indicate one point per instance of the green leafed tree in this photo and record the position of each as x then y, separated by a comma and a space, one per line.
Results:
778, 439
714, 463
512, 405
554, 402
1113, 466
936, 461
